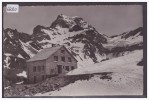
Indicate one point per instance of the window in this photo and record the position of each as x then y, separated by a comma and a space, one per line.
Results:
63, 51
72, 67
69, 59
34, 69
63, 59
43, 68
39, 68
67, 68
55, 58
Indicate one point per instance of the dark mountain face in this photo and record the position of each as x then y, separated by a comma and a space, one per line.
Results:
92, 41
133, 33
14, 34
126, 35
40, 35
12, 42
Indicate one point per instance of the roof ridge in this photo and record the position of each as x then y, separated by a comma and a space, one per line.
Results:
44, 53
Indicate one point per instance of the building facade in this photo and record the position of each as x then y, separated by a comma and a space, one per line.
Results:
50, 62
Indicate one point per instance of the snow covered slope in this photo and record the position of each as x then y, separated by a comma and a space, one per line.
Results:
126, 39
122, 44
126, 78
125, 63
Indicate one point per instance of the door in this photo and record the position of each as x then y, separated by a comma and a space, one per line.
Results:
59, 68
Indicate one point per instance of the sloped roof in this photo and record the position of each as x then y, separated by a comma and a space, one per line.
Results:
44, 54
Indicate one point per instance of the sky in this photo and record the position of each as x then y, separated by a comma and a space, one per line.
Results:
107, 19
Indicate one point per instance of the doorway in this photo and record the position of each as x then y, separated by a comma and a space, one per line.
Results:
59, 68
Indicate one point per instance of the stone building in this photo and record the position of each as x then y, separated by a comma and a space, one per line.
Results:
50, 62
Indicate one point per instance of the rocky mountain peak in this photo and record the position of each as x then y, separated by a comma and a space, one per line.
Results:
62, 21
11, 33
14, 35
75, 22
62, 16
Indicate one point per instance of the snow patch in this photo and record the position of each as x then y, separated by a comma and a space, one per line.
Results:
22, 74
20, 82
20, 56
8, 54
7, 63
7, 87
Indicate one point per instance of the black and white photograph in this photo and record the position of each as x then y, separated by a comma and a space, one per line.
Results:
74, 49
